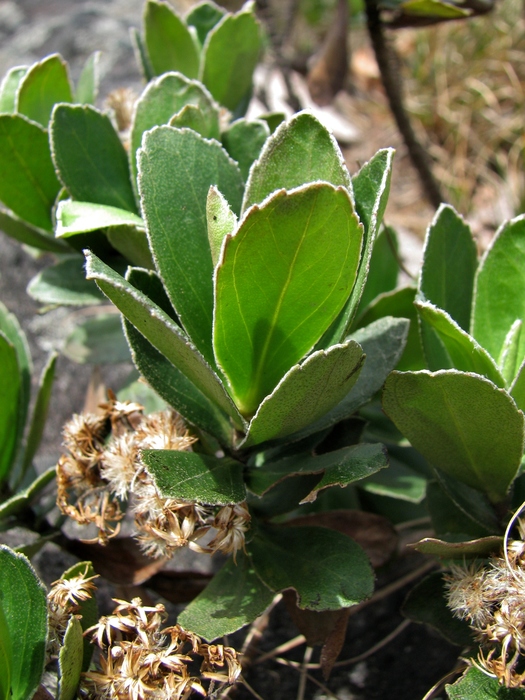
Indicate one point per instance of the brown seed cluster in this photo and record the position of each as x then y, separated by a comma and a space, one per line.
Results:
492, 599
102, 470
141, 660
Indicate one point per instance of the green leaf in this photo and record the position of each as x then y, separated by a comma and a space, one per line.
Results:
163, 98
383, 343
472, 503
132, 243
26, 234
64, 283
221, 222
499, 294
301, 150
328, 570
476, 685
517, 389
87, 85
88, 609
170, 44
509, 359
177, 168
449, 265
191, 476
22, 499
463, 351
162, 332
81, 217
141, 55
400, 304
204, 16
6, 656
28, 185
338, 468
448, 517
10, 401
25, 611
235, 597
433, 8
43, 86
462, 423
307, 392
244, 140
90, 158
204, 121
40, 412
229, 57
398, 481
70, 660
482, 547
384, 268
273, 119
98, 340
9, 88
426, 602
305, 246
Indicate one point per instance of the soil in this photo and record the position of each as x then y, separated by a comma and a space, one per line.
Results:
405, 668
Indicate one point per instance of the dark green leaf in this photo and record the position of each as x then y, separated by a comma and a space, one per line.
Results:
305, 245
482, 547
230, 54
463, 351
234, 598
301, 150
161, 100
328, 570
141, 55
177, 168
205, 121
196, 477
384, 268
398, 481
90, 158
244, 140
6, 656
472, 503
22, 499
10, 400
87, 85
132, 243
204, 16
448, 517
9, 88
88, 609
273, 119
221, 222
24, 233
64, 283
165, 335
499, 296
70, 660
40, 411
170, 45
28, 185
476, 685
307, 392
98, 340
462, 423
426, 603
449, 265
43, 86
23, 600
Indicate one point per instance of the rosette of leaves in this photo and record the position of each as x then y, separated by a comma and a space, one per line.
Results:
244, 328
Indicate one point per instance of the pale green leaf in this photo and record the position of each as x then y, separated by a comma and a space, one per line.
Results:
70, 660
170, 44
90, 158
221, 222
235, 597
434, 8
28, 186
9, 88
307, 392
517, 389
244, 140
329, 573
87, 609
301, 150
509, 359
191, 476
88, 82
203, 120
177, 168
43, 86
64, 283
462, 423
25, 611
229, 57
282, 279
81, 217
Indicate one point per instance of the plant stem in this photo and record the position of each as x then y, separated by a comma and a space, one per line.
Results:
391, 80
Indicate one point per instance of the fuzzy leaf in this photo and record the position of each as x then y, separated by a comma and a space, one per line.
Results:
88, 609
462, 423
25, 611
476, 685
70, 660
384, 268
499, 294
204, 16
221, 222
40, 412
22, 499
163, 98
6, 656
282, 279
244, 140
328, 570
177, 168
205, 121
10, 400
517, 389
229, 56
509, 357
165, 335
90, 158
87, 85
307, 392
235, 597
28, 186
26, 234
9, 87
300, 151
169, 43
43, 86
191, 476
64, 283
81, 217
